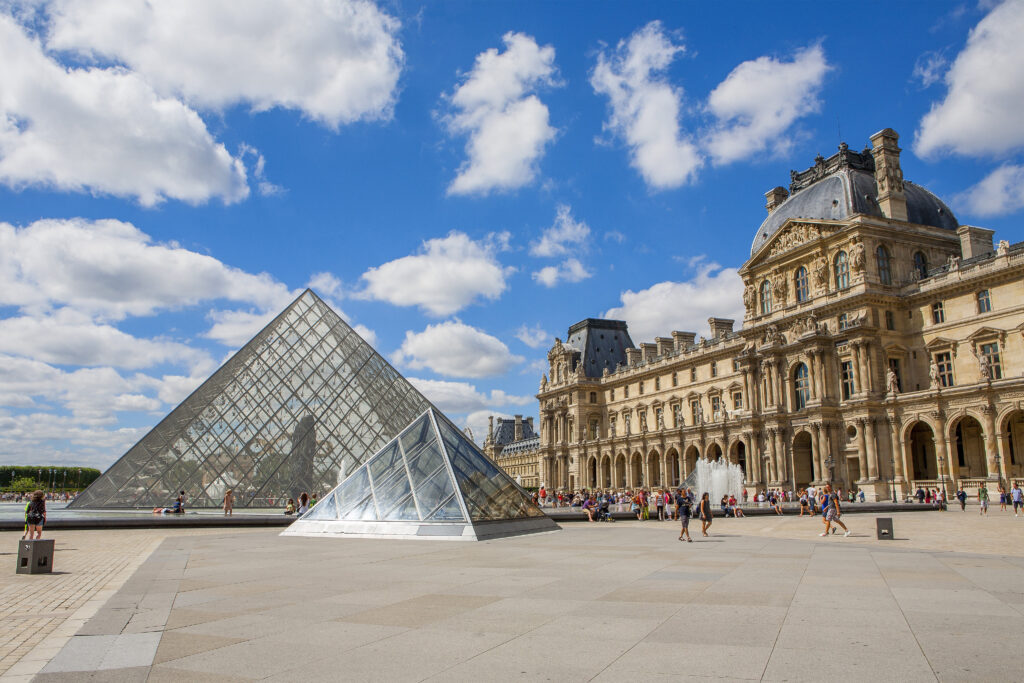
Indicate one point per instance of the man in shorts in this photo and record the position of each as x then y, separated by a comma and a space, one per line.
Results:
830, 511
1017, 497
683, 513
983, 499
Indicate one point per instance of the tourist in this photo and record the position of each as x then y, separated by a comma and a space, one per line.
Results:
1002, 498
35, 516
683, 514
961, 496
229, 502
289, 508
812, 499
303, 503
312, 501
920, 495
983, 499
724, 504
775, 502
1017, 497
737, 511
861, 495
928, 496
705, 512
588, 507
181, 499
831, 512
634, 507
804, 504
659, 501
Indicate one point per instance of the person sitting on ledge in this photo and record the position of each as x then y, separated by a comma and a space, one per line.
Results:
588, 507
289, 509
176, 509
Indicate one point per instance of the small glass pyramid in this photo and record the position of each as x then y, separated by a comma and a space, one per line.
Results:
429, 481
305, 399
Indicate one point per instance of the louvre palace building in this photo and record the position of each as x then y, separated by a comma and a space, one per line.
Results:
882, 349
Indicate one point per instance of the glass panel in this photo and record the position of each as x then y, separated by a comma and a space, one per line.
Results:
388, 497
424, 462
404, 510
362, 511
434, 490
352, 492
384, 463
325, 509
448, 511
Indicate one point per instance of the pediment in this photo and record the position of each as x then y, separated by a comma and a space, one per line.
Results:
985, 333
940, 343
793, 235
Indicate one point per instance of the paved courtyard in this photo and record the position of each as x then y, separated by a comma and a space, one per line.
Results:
762, 599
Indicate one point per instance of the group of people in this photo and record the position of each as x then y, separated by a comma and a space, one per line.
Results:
1014, 497
305, 503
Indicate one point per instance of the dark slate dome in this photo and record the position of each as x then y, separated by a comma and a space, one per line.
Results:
843, 185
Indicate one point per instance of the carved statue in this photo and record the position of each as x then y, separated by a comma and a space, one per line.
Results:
780, 285
857, 257
1004, 246
606, 372
984, 367
933, 374
821, 273
580, 374
661, 420
749, 297
811, 323
771, 335
892, 383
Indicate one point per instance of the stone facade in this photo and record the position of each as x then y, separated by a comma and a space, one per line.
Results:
882, 348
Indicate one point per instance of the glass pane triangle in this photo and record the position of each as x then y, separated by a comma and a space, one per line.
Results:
325, 509
448, 511
304, 396
405, 510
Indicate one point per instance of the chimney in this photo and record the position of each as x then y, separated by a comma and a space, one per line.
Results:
648, 351
490, 429
774, 197
632, 356
518, 434
683, 339
529, 421
720, 327
888, 174
974, 241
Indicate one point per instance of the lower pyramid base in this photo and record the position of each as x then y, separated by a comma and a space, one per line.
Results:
460, 531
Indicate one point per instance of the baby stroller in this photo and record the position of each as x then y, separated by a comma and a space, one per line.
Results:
603, 514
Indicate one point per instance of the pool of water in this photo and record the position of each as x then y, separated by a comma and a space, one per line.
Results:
16, 511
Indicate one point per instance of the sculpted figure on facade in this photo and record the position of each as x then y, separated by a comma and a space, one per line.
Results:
543, 383
892, 383
857, 257
820, 270
933, 374
984, 367
772, 335
780, 285
749, 297
580, 374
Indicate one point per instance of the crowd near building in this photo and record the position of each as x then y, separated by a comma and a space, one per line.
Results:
882, 349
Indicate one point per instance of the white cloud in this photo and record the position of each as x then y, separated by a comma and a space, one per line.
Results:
506, 123
1000, 192
337, 61
104, 131
614, 236
760, 99
447, 275
656, 311
981, 113
326, 284
71, 338
455, 349
644, 107
235, 328
535, 337
112, 269
564, 236
570, 270
463, 397
929, 68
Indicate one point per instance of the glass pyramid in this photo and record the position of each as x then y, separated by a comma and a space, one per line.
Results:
299, 404
430, 480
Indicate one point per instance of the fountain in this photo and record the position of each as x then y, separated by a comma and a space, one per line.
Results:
718, 478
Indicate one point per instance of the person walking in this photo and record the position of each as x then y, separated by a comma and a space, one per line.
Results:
961, 496
35, 516
831, 511
229, 503
706, 513
1017, 497
1002, 498
659, 502
983, 499
683, 514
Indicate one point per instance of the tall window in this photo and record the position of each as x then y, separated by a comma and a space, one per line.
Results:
677, 415
693, 374
611, 425
716, 408
938, 313
611, 394
694, 410
920, 265
801, 284
984, 301
842, 271
640, 387
626, 420
675, 379
890, 321
882, 260
737, 400
625, 391
657, 383
849, 389
766, 298
991, 352
714, 369
659, 417
945, 363
844, 321
801, 386
593, 397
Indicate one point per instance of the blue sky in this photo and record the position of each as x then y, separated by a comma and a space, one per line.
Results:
463, 181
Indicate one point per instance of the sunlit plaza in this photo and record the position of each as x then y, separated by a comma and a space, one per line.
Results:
762, 598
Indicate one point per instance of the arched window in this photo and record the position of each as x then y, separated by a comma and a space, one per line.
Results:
842, 271
766, 298
882, 260
801, 386
920, 265
801, 284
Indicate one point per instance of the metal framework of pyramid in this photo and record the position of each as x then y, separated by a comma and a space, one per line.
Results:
430, 481
305, 400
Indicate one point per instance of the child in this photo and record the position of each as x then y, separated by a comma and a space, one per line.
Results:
35, 516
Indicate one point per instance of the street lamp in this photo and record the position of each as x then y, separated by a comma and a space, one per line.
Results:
999, 470
942, 474
78, 482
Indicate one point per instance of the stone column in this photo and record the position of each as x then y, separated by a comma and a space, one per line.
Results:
782, 465
862, 450
872, 446
942, 447
772, 470
817, 471
752, 460
991, 447
899, 456
869, 368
